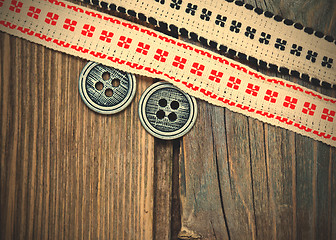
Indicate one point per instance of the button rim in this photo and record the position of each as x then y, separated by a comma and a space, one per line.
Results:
150, 128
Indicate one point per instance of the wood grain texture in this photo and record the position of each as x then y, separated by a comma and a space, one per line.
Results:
243, 179
66, 172
163, 186
69, 173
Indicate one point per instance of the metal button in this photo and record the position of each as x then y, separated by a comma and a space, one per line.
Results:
166, 112
106, 90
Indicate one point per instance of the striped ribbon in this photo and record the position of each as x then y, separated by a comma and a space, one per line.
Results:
99, 37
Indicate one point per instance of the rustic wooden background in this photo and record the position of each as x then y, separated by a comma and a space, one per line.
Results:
69, 173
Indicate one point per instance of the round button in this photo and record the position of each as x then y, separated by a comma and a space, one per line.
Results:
166, 112
106, 90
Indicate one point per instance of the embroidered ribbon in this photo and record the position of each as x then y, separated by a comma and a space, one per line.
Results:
242, 30
112, 41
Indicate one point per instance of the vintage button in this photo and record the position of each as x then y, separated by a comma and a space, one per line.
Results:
106, 90
166, 112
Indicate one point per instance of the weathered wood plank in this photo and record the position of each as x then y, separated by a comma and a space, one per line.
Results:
175, 221
201, 204
260, 181
164, 155
66, 172
305, 188
280, 159
122, 167
323, 197
274, 184
242, 219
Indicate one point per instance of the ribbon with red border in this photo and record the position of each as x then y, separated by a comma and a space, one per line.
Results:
99, 37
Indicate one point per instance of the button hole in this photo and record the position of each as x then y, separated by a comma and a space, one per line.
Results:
163, 102
174, 105
115, 82
172, 117
99, 86
160, 114
108, 92
106, 76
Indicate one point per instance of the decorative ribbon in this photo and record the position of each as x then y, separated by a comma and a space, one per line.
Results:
242, 30
133, 48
